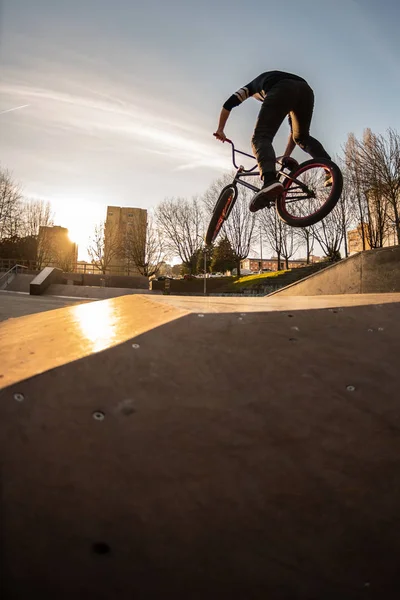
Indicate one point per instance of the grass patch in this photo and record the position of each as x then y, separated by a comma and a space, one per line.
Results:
249, 281
259, 277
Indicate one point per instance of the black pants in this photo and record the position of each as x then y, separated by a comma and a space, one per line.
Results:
288, 97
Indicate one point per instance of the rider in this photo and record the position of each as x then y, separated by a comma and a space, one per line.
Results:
281, 94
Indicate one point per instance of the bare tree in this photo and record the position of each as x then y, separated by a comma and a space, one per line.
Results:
54, 248
306, 239
378, 225
330, 232
104, 245
290, 243
375, 202
35, 214
239, 227
10, 205
273, 231
181, 224
380, 157
145, 247
281, 238
373, 167
346, 207
65, 260
353, 184
45, 250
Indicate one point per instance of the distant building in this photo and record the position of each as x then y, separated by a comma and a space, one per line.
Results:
271, 264
125, 225
56, 249
355, 239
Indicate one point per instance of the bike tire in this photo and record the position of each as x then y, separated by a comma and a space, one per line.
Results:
222, 210
328, 204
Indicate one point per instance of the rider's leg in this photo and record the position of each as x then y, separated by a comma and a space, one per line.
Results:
301, 117
275, 107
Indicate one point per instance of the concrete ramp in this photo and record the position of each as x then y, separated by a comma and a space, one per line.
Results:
20, 283
202, 450
371, 272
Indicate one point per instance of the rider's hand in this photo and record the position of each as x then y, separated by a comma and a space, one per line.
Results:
220, 135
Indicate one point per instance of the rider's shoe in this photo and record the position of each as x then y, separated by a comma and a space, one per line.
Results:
328, 179
271, 189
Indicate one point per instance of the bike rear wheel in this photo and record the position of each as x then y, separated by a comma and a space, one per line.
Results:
307, 200
223, 207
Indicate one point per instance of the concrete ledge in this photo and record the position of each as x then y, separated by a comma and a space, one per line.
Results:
370, 272
42, 281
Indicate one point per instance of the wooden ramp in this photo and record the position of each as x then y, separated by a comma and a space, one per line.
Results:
217, 449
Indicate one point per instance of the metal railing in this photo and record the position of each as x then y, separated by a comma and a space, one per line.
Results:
7, 264
7, 277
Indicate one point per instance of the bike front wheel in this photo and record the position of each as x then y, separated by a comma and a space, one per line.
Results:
306, 198
223, 207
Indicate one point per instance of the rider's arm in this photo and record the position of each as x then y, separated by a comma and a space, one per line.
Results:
251, 89
223, 117
233, 101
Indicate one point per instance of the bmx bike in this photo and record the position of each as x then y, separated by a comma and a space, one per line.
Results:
305, 199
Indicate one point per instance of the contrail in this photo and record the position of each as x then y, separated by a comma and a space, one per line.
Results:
2, 112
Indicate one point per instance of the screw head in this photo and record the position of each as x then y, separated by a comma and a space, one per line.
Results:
98, 415
19, 397
351, 388
135, 346
201, 316
101, 548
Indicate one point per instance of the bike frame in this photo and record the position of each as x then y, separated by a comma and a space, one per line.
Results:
242, 172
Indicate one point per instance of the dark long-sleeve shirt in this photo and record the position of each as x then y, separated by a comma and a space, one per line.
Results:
258, 88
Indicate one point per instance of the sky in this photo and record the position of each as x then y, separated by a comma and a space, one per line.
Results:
115, 102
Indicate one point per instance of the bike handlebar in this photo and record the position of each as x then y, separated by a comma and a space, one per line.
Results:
234, 151
285, 162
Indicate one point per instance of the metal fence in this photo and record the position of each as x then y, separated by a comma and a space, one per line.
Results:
82, 268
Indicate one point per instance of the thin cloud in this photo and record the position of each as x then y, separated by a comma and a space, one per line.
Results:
111, 119
8, 110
